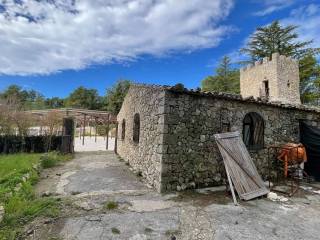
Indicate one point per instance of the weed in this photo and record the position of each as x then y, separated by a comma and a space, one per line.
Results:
115, 230
148, 230
111, 205
75, 192
172, 233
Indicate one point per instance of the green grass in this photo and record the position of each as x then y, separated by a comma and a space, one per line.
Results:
17, 163
111, 205
21, 206
12, 169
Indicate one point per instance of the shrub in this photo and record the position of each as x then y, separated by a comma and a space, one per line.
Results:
52, 159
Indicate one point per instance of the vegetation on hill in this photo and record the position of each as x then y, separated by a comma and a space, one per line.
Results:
80, 98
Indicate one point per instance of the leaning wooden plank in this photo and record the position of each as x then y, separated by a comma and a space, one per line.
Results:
242, 182
231, 188
239, 166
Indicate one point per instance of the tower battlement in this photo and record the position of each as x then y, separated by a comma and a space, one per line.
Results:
276, 80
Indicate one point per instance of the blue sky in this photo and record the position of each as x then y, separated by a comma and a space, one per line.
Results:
56, 46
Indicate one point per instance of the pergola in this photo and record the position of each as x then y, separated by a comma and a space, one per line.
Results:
83, 118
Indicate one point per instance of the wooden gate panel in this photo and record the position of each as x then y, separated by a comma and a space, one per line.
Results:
240, 166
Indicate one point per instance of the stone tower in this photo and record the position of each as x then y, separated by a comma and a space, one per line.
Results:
274, 80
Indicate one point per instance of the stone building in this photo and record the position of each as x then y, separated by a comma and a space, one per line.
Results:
275, 80
167, 133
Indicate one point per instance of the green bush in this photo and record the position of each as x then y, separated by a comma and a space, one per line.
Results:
52, 159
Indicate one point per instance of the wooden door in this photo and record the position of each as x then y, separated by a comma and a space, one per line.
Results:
239, 165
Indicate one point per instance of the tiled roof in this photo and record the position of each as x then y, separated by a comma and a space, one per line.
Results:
179, 89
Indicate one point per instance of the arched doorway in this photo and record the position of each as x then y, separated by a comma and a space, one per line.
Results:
253, 131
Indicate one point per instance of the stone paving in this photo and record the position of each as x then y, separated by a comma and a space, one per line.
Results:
93, 179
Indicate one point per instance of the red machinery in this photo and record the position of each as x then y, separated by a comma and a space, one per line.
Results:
292, 154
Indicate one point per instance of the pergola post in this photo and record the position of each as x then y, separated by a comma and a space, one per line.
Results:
107, 132
90, 125
84, 128
95, 136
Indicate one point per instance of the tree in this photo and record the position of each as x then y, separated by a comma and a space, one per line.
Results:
55, 102
276, 38
226, 79
115, 96
15, 91
309, 78
26, 99
84, 98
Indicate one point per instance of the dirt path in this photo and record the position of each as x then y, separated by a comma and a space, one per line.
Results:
92, 182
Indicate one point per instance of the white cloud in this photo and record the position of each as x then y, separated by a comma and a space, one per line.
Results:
42, 37
307, 18
271, 6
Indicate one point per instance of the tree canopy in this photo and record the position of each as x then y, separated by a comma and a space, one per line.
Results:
26, 99
115, 96
309, 79
277, 38
84, 98
80, 98
226, 79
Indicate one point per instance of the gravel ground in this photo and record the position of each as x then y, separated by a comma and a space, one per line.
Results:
94, 179
91, 144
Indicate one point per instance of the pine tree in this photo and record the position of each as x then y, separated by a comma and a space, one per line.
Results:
226, 80
276, 38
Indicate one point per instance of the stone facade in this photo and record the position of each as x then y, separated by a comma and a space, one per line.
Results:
275, 80
177, 148
144, 156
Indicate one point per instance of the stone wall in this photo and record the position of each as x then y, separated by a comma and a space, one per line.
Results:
177, 149
190, 156
282, 74
145, 156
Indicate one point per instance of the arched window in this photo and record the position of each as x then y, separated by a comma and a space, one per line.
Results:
123, 129
136, 128
253, 131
